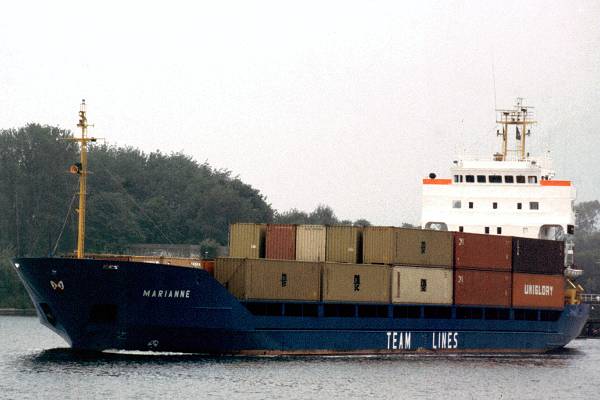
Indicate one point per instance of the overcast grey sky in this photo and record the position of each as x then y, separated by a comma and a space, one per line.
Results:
344, 103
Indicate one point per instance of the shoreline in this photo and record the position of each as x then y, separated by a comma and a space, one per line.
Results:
21, 312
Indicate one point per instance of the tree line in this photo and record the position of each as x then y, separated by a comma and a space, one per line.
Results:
133, 197
137, 197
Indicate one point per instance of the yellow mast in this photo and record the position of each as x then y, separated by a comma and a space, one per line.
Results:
519, 116
81, 170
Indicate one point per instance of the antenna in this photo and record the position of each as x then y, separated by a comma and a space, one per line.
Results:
520, 116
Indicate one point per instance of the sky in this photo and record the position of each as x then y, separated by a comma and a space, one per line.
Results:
343, 103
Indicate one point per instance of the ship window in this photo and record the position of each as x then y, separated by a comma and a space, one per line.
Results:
520, 179
499, 230
487, 229
480, 178
519, 206
423, 285
456, 204
457, 178
509, 179
469, 178
494, 205
534, 205
461, 228
495, 179
532, 179
470, 204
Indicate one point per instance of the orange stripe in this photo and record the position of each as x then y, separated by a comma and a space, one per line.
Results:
437, 181
555, 183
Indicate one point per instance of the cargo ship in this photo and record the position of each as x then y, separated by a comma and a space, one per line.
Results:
490, 271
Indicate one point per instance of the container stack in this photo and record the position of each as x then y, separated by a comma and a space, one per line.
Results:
482, 275
538, 267
391, 265
423, 270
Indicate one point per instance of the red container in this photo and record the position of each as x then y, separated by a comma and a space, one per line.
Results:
482, 288
538, 291
208, 266
281, 242
485, 252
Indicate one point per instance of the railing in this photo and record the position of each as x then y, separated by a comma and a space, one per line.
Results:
590, 298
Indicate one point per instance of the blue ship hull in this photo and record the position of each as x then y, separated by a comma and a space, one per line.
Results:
103, 304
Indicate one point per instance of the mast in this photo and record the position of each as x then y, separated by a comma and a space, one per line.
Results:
81, 170
520, 116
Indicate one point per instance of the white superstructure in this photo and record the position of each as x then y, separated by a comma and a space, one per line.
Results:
508, 194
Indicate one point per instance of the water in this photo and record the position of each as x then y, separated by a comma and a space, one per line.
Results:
35, 363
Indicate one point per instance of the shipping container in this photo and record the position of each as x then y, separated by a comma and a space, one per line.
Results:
482, 288
310, 242
537, 256
379, 244
247, 240
419, 285
280, 242
423, 247
538, 291
344, 244
255, 279
356, 283
483, 252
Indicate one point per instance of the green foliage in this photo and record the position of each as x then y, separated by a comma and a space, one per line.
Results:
12, 292
322, 215
587, 244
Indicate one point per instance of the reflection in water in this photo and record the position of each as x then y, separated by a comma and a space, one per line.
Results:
35, 364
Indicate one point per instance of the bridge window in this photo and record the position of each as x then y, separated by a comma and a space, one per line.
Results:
532, 179
494, 205
534, 205
469, 178
509, 179
480, 178
520, 179
456, 204
519, 206
458, 178
461, 228
499, 230
470, 204
487, 229
495, 179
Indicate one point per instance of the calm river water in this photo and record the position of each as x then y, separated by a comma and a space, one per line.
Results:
35, 364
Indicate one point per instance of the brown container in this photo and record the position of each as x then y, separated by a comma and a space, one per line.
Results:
419, 285
208, 266
255, 279
485, 252
423, 247
280, 242
356, 283
538, 291
379, 244
537, 256
310, 242
482, 288
344, 244
247, 240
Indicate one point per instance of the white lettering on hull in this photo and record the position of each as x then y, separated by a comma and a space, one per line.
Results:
178, 294
444, 340
398, 340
